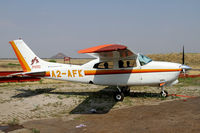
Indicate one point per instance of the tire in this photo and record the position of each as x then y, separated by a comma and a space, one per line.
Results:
119, 96
164, 94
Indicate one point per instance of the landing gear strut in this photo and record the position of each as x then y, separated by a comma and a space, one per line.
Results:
123, 91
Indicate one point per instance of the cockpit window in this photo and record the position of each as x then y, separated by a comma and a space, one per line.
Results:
144, 59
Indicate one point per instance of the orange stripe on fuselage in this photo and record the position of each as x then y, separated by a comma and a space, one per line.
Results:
21, 59
129, 71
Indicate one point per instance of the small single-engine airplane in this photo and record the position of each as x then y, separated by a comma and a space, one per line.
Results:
115, 65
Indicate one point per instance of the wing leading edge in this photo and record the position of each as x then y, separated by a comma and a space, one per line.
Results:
109, 52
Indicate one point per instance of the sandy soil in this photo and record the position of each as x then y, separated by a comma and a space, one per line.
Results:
24, 102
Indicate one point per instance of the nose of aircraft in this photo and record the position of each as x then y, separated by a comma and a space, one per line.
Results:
185, 67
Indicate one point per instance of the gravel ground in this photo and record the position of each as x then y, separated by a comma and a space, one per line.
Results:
30, 104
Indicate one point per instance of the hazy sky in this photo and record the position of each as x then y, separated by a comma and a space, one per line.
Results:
145, 26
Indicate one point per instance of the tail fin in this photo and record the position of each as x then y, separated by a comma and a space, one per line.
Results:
26, 57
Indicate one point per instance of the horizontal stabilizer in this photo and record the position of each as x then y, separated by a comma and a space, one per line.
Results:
32, 74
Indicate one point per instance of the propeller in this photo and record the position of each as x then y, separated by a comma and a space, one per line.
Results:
184, 67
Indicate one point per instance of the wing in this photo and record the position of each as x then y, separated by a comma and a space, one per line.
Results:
110, 52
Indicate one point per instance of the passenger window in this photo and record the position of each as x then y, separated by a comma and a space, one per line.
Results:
103, 65
127, 63
121, 64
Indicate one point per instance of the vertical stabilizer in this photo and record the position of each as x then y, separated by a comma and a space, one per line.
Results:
26, 57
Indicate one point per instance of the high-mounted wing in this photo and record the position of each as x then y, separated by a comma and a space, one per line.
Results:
110, 52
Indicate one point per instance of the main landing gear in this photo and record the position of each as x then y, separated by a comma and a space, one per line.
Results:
123, 91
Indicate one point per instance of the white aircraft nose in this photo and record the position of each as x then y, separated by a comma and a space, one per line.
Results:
185, 67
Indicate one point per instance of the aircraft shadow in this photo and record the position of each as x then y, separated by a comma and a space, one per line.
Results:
144, 94
29, 93
103, 102
99, 102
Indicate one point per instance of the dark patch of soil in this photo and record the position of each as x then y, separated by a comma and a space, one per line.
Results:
10, 128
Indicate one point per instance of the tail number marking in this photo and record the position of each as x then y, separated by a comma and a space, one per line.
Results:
68, 73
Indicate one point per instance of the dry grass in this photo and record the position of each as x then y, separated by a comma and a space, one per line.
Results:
13, 65
191, 59
4, 65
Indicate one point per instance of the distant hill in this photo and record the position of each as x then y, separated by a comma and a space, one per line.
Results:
59, 56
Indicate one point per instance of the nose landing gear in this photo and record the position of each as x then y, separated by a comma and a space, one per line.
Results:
163, 92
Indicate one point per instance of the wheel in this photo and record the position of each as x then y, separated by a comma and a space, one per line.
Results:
163, 93
119, 96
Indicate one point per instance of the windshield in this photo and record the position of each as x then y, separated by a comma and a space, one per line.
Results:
144, 59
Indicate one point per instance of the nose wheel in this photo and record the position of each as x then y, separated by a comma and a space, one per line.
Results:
163, 92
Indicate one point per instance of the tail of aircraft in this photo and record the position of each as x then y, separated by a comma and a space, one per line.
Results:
28, 60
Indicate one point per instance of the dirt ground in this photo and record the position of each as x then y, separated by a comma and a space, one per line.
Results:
182, 116
56, 106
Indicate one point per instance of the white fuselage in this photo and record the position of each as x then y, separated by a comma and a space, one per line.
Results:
151, 74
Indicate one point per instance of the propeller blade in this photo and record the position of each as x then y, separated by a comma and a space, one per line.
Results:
183, 56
